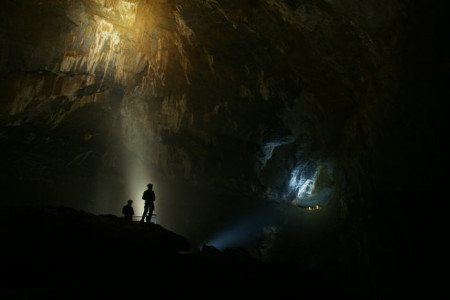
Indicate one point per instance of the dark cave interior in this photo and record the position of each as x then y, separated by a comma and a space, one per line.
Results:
311, 133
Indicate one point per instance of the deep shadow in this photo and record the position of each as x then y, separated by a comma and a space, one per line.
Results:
58, 252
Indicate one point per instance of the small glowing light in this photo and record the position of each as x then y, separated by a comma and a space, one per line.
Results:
317, 206
309, 208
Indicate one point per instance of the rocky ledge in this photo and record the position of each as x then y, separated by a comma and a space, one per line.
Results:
63, 253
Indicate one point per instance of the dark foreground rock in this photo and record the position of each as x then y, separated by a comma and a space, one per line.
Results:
61, 253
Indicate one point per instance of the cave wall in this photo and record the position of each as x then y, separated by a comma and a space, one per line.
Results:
216, 93
192, 90
243, 97
249, 97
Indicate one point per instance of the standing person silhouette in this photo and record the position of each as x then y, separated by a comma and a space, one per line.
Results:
149, 206
128, 211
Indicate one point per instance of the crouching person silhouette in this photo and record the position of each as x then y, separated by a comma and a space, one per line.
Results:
149, 206
128, 211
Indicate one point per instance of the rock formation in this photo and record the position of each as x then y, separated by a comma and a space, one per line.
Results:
303, 102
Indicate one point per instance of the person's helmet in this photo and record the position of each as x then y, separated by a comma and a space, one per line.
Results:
149, 185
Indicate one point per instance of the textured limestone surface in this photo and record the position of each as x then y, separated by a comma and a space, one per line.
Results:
243, 95
294, 101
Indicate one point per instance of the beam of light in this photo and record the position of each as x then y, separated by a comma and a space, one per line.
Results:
246, 231
137, 178
137, 172
234, 236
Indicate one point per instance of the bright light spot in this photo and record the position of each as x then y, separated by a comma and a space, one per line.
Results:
306, 188
138, 179
231, 237
136, 166
302, 185
312, 185
128, 12
241, 233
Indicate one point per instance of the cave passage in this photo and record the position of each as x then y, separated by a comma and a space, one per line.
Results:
311, 132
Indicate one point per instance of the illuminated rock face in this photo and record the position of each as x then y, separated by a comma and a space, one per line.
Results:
295, 101
255, 96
